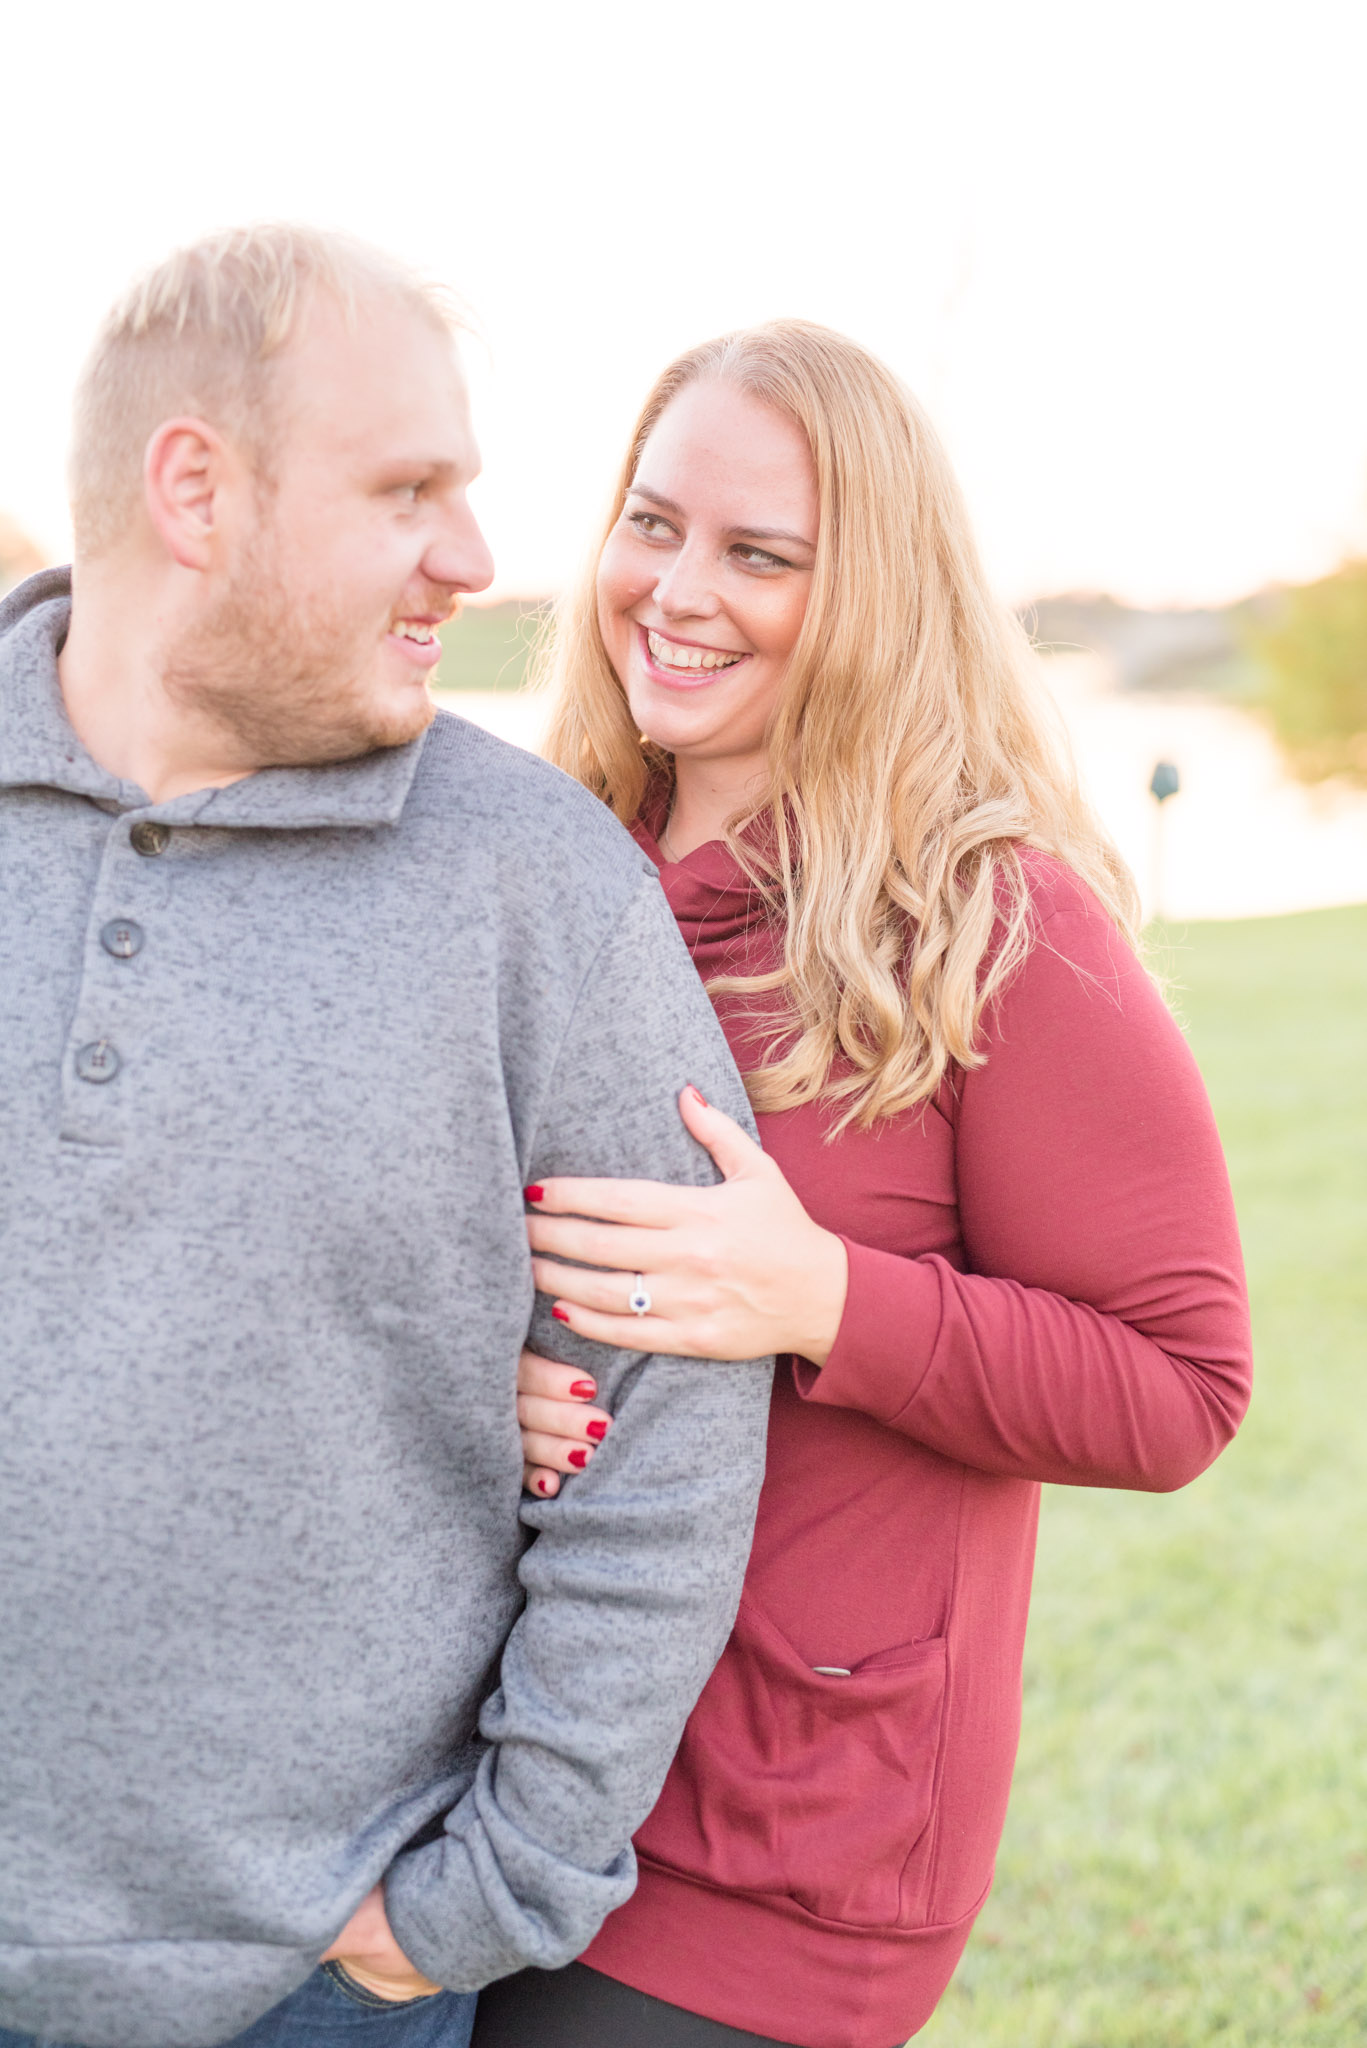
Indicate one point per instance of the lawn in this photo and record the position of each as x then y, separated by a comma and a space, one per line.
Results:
1186, 1855
487, 647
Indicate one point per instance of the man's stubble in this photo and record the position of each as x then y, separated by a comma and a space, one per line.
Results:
281, 674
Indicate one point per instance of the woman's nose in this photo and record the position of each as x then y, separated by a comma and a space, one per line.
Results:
685, 590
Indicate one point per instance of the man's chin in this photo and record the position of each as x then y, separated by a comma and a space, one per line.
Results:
402, 721
370, 730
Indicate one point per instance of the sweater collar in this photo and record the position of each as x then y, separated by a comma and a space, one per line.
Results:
38, 746
713, 899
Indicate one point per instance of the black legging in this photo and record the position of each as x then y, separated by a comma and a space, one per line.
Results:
581, 2008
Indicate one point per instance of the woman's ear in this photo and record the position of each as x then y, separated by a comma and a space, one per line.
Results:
185, 472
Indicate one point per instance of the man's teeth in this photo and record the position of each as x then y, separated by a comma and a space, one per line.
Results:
670, 654
406, 630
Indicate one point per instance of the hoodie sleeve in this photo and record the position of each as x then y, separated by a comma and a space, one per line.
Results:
1100, 1336
634, 1576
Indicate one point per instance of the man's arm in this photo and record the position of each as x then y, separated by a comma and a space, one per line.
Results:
633, 1581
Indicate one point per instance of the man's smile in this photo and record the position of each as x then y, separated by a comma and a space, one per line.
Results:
417, 639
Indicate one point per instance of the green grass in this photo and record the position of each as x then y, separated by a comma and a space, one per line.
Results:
487, 647
1186, 1856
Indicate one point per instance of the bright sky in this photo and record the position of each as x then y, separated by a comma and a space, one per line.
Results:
1117, 248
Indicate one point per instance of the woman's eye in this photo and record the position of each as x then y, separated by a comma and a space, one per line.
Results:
650, 526
408, 493
760, 558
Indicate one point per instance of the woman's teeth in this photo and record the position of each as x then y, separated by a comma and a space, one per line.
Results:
406, 630
669, 654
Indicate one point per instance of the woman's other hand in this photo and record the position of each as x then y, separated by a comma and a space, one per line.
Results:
732, 1271
560, 1429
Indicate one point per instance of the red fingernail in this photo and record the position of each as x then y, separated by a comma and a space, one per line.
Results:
542, 1485
534, 1193
597, 1430
583, 1390
700, 1096
579, 1459
562, 1315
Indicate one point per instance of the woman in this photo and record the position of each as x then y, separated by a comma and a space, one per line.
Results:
990, 1230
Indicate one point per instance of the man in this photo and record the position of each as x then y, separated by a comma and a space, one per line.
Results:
299, 988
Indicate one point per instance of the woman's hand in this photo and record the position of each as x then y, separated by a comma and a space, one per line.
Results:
733, 1271
560, 1431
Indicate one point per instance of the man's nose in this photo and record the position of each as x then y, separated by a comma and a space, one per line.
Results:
686, 587
459, 555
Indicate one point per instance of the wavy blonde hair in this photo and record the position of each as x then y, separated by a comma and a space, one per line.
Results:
911, 756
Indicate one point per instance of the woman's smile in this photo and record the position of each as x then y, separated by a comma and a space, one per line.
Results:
684, 664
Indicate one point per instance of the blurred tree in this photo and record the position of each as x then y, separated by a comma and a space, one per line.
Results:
1313, 652
18, 556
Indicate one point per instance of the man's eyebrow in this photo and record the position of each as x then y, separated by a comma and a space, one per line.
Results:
440, 467
794, 540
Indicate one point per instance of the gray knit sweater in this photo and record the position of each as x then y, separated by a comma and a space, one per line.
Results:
272, 1077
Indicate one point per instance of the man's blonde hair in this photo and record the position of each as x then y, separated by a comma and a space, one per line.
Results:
911, 756
201, 335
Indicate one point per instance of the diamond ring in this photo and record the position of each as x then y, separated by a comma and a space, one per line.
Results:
639, 1301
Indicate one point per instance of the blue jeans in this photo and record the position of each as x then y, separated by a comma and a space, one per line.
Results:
329, 2010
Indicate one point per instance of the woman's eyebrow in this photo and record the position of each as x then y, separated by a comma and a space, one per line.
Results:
794, 540
655, 497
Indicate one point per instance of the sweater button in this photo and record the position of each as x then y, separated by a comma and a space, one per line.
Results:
97, 1061
148, 837
122, 938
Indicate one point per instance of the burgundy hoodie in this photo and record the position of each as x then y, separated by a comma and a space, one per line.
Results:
1045, 1285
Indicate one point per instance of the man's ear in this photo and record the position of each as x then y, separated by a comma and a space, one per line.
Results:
186, 471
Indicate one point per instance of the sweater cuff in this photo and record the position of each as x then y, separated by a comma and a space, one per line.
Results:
465, 1911
886, 1338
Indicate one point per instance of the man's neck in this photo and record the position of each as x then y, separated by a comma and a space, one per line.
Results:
111, 675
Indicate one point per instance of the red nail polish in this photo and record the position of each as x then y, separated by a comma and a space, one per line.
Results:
597, 1430
562, 1315
541, 1485
583, 1390
701, 1097
534, 1193
579, 1459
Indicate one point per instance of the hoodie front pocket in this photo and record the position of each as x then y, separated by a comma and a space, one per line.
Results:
803, 1781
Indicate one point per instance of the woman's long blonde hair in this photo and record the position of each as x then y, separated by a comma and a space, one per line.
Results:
911, 755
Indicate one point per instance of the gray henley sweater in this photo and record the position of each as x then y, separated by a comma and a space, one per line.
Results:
275, 1062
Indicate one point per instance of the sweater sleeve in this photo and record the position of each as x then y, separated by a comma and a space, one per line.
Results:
634, 1576
1100, 1335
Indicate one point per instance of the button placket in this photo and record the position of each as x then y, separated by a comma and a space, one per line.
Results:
107, 1027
